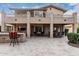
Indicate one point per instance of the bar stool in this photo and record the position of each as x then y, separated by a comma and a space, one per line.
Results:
13, 38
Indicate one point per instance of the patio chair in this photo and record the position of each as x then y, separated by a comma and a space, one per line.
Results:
60, 34
10, 37
13, 38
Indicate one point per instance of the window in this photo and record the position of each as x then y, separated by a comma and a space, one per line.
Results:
38, 13
32, 14
8, 28
50, 8
22, 13
22, 28
44, 15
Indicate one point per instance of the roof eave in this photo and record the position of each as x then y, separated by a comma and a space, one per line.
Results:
62, 9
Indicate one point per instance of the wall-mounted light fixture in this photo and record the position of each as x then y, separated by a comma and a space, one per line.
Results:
15, 19
39, 19
65, 20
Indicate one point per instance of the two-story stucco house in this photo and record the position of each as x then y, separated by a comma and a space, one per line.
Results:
44, 21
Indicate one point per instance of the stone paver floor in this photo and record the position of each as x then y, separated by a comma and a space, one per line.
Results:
41, 46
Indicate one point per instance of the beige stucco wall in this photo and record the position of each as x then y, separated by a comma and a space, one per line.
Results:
56, 11
69, 27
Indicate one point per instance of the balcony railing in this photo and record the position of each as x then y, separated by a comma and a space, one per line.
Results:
56, 19
21, 15
63, 19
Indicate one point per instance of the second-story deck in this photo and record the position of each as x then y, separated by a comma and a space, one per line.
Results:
25, 19
63, 19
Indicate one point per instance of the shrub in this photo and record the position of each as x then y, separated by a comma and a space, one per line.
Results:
77, 30
66, 31
73, 37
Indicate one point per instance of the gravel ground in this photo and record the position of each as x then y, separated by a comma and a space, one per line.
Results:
41, 46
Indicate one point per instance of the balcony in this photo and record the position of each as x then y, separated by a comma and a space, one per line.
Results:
63, 19
55, 19
22, 15
39, 20
18, 19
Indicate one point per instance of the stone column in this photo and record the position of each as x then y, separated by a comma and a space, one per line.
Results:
28, 15
74, 28
48, 13
28, 24
28, 30
51, 23
17, 27
75, 22
2, 21
51, 30
13, 29
64, 29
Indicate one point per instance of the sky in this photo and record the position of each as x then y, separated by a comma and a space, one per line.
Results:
6, 6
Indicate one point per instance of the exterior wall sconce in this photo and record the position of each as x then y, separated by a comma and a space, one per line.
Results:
39, 19
15, 19
65, 20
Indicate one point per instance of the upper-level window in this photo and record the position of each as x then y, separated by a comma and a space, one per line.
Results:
50, 8
32, 14
22, 13
44, 14
38, 13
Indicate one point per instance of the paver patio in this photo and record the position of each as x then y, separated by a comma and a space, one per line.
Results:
40, 46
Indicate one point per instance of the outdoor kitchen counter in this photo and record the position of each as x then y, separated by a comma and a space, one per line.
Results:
4, 37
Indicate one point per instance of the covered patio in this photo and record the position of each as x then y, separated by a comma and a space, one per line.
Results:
43, 30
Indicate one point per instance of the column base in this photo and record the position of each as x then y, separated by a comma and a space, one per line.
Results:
51, 37
28, 36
